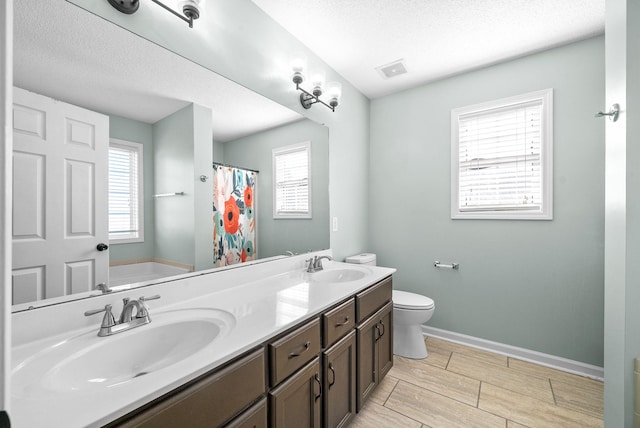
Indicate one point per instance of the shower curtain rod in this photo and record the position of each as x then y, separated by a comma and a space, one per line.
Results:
239, 167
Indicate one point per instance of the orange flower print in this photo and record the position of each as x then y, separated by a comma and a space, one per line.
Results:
231, 215
248, 196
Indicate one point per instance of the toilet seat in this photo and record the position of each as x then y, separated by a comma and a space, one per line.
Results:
406, 300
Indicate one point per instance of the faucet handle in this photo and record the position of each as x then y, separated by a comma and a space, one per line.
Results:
108, 321
104, 288
107, 308
144, 309
311, 266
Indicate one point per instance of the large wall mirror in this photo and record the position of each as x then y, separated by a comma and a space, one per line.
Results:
118, 91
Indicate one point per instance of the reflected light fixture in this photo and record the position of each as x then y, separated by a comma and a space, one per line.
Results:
190, 8
332, 90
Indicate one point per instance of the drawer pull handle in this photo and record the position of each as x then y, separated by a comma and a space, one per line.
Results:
379, 330
333, 375
316, 378
305, 347
345, 322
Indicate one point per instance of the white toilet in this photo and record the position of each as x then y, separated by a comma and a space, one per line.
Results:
410, 311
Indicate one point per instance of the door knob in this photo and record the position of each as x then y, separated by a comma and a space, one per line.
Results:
102, 246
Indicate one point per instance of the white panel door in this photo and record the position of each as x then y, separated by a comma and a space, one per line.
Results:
60, 185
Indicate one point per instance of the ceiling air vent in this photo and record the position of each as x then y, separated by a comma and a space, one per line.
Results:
393, 69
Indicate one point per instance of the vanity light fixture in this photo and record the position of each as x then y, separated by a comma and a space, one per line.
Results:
190, 8
333, 90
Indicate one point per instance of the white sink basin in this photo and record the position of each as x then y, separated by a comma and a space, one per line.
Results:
338, 275
88, 363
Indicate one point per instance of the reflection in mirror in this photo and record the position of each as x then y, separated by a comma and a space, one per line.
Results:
86, 84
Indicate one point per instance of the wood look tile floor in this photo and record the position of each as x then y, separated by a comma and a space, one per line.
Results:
458, 386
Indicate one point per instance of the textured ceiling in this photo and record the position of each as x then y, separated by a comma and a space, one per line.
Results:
436, 38
64, 52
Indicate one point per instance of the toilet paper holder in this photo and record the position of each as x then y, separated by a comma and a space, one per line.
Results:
443, 265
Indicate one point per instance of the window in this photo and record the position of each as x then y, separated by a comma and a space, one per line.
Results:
501, 159
126, 210
292, 181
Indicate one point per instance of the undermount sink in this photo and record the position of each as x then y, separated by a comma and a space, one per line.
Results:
338, 275
86, 363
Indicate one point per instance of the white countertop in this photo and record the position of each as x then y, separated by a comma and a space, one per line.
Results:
264, 301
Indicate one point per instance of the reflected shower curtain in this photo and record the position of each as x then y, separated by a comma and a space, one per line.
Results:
234, 231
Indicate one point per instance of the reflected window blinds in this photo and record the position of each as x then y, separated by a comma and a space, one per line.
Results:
292, 181
125, 191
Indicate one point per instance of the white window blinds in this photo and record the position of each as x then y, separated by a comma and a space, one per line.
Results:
500, 160
125, 191
292, 181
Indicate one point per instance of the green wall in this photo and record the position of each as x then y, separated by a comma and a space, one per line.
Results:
138, 132
532, 284
299, 235
173, 158
184, 224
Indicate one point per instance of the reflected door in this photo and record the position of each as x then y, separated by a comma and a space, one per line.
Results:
60, 185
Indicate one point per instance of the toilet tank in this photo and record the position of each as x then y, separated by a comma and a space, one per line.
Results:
362, 259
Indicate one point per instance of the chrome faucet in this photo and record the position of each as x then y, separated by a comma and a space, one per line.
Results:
127, 309
126, 320
315, 264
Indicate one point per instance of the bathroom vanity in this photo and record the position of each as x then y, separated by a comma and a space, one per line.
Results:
289, 349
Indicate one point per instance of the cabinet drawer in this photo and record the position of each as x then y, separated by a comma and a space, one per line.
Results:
372, 299
338, 322
208, 402
291, 352
255, 417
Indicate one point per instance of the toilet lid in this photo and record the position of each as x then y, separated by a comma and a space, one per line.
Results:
406, 300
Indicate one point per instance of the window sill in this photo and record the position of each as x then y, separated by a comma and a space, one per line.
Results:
501, 215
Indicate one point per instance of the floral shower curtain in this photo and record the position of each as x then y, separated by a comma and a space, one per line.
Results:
234, 232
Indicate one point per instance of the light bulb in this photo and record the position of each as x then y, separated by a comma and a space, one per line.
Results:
317, 81
334, 90
191, 8
298, 65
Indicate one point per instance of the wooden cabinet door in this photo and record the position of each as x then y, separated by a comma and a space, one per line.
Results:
367, 376
296, 402
339, 368
385, 340
375, 351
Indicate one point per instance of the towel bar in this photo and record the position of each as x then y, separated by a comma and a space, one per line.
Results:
442, 265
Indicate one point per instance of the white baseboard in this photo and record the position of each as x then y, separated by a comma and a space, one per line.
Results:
559, 363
